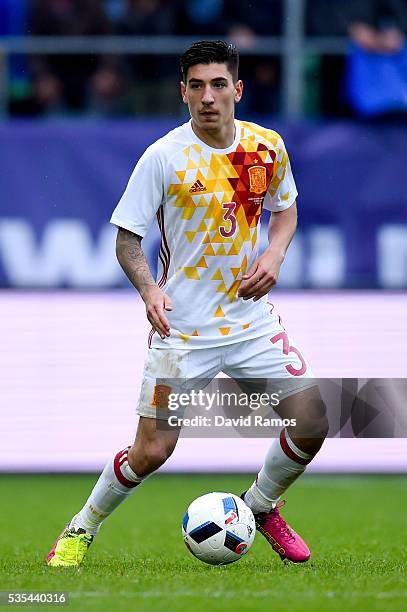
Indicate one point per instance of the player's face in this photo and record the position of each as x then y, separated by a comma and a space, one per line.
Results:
211, 95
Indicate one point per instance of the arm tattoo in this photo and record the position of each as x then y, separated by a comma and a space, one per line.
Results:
132, 259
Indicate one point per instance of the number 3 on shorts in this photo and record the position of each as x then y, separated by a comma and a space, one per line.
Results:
287, 349
229, 208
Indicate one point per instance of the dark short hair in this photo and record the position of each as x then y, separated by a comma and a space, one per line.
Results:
211, 52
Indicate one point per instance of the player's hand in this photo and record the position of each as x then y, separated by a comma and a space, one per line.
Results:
261, 277
157, 302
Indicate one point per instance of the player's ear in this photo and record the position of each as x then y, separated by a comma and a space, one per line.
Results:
183, 89
238, 90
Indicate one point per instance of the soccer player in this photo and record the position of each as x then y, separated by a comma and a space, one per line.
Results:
207, 182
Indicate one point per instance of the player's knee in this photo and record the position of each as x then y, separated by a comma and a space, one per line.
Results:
313, 422
158, 452
149, 456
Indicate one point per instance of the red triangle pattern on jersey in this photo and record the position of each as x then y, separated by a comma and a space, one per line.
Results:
242, 160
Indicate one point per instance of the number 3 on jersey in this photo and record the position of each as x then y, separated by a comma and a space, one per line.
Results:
226, 231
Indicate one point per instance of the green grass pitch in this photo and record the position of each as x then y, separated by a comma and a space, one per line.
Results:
355, 526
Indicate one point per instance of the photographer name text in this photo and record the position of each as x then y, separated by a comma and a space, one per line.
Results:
250, 420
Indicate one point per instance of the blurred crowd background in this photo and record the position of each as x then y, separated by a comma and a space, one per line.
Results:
326, 33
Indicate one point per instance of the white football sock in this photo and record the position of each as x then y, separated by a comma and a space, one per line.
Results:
283, 464
116, 483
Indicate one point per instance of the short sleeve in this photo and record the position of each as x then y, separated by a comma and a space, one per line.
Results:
143, 195
282, 191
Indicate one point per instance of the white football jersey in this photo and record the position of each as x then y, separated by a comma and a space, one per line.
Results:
208, 204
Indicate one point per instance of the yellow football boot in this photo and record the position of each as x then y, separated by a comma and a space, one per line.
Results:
70, 548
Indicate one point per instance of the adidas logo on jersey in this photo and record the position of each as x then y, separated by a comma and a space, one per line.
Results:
196, 187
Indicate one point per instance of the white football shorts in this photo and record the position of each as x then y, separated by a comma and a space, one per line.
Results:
273, 355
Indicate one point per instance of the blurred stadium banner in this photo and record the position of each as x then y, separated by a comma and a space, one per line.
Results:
71, 365
60, 181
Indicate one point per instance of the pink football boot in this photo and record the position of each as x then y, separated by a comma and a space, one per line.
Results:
288, 544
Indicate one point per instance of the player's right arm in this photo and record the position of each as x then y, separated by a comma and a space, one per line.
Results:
134, 263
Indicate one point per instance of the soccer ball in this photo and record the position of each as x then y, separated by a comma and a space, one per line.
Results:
218, 528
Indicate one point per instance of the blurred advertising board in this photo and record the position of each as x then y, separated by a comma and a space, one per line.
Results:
60, 181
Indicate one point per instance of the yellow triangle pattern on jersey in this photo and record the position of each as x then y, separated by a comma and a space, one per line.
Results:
222, 288
209, 250
244, 264
202, 263
188, 212
191, 165
181, 175
217, 275
233, 250
191, 272
205, 214
233, 290
225, 330
219, 312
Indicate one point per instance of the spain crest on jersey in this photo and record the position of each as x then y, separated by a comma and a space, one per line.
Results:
258, 179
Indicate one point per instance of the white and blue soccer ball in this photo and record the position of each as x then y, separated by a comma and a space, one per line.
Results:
218, 528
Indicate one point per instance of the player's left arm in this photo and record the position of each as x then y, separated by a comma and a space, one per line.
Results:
263, 274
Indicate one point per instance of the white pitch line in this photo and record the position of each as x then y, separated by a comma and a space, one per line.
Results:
231, 594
